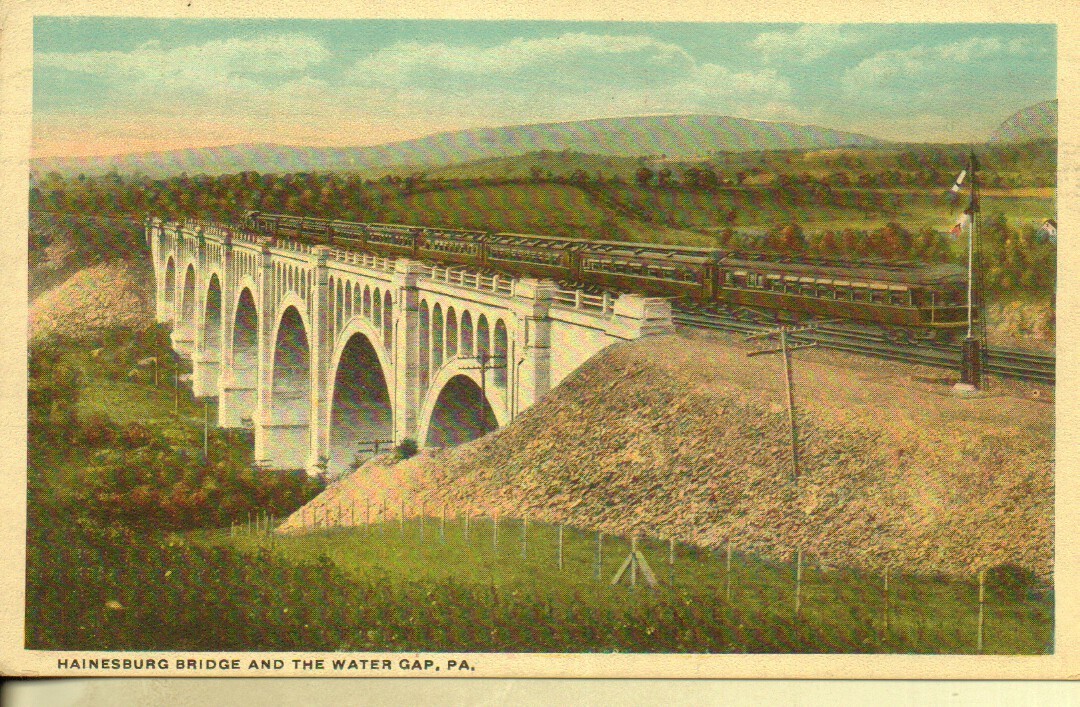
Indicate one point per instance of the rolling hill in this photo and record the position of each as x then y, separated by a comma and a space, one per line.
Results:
1037, 122
671, 135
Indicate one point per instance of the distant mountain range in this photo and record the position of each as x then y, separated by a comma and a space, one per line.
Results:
685, 136
1037, 122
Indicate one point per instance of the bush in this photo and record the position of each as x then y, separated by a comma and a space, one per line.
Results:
406, 449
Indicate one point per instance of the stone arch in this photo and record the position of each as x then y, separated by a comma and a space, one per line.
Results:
170, 289
436, 337
367, 301
361, 407
241, 391
451, 333
376, 312
452, 413
208, 361
288, 435
500, 360
348, 300
466, 349
185, 323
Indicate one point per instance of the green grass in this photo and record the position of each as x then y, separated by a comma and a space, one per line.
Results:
840, 609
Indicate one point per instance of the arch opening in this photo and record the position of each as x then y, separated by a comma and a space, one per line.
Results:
241, 392
500, 360
207, 361
466, 335
289, 435
461, 414
360, 411
451, 333
436, 337
423, 346
388, 321
170, 289
184, 329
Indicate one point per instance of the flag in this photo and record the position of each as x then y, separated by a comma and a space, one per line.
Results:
965, 219
959, 180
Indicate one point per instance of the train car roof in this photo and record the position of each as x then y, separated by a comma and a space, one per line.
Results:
600, 246
902, 272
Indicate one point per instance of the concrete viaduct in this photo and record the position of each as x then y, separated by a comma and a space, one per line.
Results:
322, 350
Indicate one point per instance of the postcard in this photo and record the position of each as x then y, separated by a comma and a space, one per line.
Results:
435, 343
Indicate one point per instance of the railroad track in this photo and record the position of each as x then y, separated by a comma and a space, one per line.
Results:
1009, 363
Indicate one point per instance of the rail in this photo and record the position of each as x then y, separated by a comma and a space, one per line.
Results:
1008, 363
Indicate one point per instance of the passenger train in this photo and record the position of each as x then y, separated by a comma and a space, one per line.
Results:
903, 299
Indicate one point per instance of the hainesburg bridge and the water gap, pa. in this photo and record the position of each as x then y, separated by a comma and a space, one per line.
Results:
330, 338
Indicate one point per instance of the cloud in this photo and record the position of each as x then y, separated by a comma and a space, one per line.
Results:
808, 43
921, 60
264, 55
413, 58
553, 78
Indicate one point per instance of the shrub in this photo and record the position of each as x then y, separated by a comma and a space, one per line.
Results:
406, 449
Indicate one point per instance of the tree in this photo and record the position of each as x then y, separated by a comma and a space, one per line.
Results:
663, 178
643, 176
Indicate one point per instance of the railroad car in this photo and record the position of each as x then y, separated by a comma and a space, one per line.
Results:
903, 299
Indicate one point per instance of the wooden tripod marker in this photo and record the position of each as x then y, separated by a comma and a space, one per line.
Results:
635, 561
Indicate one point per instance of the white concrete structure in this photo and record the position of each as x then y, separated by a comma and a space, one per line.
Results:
321, 350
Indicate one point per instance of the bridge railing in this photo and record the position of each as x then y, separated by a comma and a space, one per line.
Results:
578, 299
366, 260
473, 280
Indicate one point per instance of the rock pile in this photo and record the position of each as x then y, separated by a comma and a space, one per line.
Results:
100, 296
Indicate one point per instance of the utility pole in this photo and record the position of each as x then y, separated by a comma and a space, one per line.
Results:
785, 350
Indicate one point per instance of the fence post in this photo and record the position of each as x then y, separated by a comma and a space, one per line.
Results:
560, 547
798, 581
727, 574
671, 559
467, 514
525, 537
495, 532
885, 612
982, 583
599, 554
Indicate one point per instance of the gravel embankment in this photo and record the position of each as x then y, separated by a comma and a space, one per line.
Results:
686, 436
100, 296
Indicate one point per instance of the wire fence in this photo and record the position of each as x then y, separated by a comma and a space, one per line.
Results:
1003, 609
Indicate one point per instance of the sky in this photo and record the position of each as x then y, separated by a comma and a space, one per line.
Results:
107, 86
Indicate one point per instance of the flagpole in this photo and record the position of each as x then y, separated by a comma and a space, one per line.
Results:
974, 208
970, 373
